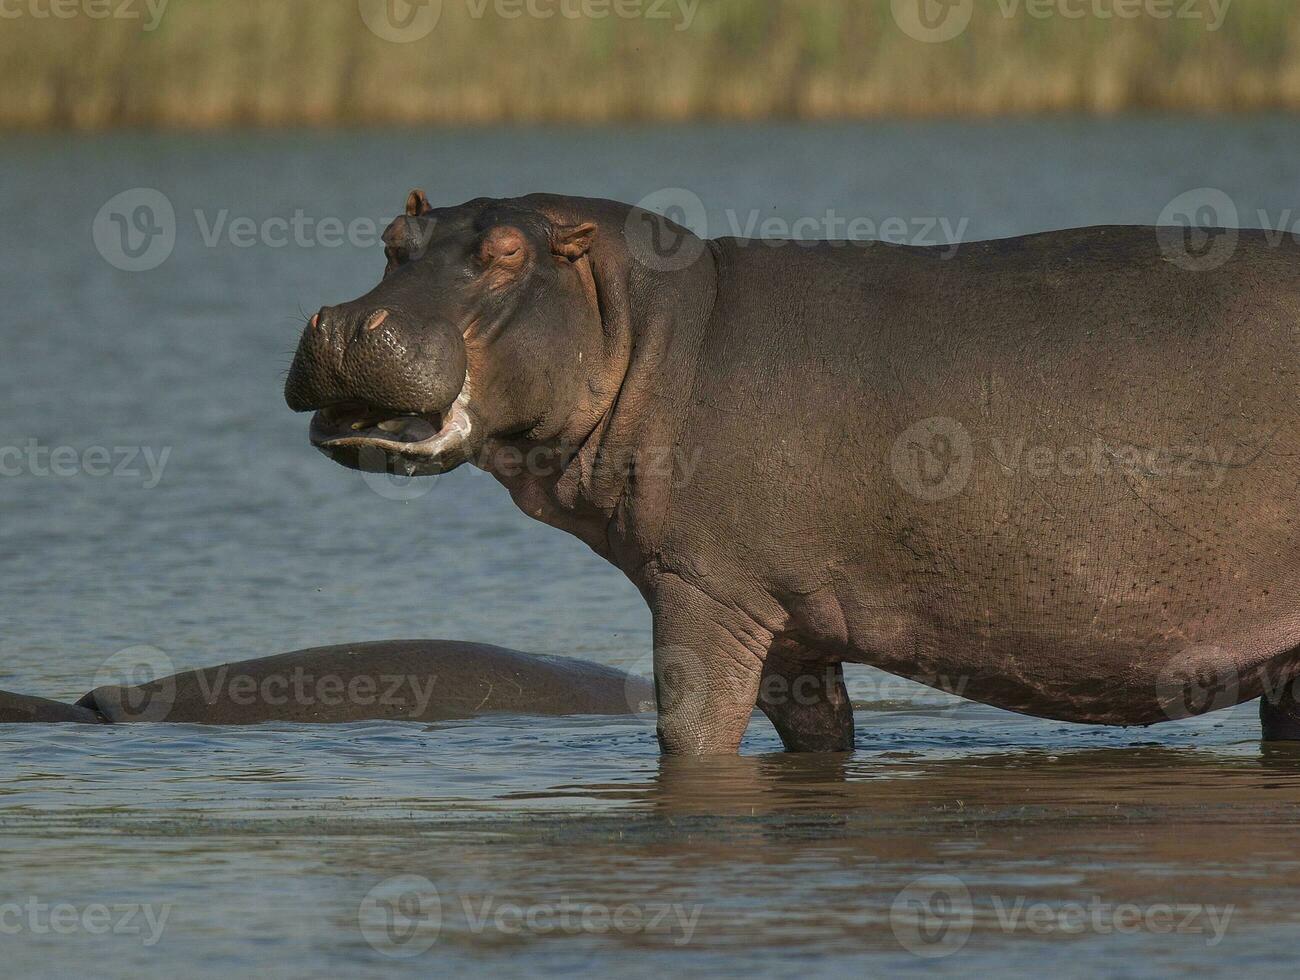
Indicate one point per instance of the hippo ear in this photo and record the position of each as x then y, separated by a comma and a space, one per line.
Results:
405, 239
417, 203
573, 241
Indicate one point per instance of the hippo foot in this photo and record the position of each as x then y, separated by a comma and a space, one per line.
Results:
1280, 717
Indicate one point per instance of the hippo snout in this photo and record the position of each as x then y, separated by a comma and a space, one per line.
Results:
387, 388
376, 356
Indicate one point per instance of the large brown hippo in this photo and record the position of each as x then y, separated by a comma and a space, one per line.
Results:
1058, 474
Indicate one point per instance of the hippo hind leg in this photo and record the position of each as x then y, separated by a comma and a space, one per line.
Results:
1279, 715
807, 703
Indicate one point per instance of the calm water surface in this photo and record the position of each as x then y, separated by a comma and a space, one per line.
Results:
562, 845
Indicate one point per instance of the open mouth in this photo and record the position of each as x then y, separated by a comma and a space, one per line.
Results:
376, 439
350, 422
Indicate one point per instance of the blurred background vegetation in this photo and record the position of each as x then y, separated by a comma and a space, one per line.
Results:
314, 62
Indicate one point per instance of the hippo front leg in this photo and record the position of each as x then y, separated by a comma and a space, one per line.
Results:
708, 661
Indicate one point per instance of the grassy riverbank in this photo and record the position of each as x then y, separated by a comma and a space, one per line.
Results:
204, 63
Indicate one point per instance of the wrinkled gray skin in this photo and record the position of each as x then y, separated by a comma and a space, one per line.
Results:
1056, 474
395, 680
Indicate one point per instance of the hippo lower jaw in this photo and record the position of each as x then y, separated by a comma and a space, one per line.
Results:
375, 439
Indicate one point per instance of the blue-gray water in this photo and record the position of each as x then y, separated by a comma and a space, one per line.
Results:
254, 849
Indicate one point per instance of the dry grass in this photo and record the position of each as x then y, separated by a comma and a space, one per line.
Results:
276, 62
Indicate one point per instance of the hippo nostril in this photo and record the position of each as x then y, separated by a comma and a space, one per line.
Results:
376, 320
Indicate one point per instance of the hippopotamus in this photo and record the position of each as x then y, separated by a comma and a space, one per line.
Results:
395, 680
1054, 473
26, 708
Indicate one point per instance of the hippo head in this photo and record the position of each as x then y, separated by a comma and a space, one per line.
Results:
484, 328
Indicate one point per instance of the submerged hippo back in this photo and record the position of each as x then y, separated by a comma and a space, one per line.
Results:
400, 680
20, 708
